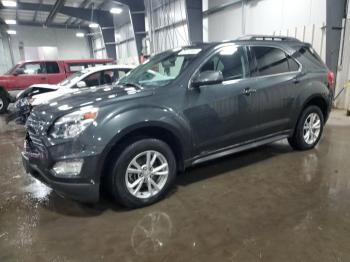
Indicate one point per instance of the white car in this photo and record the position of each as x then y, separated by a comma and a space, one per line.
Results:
89, 77
43, 93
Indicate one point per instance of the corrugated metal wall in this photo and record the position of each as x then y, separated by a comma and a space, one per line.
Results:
5, 53
304, 19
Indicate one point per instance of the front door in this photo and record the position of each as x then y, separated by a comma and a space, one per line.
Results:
222, 114
32, 73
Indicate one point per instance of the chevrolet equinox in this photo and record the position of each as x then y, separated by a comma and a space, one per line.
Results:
182, 107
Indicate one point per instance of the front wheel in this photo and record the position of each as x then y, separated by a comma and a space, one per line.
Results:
308, 130
4, 102
143, 173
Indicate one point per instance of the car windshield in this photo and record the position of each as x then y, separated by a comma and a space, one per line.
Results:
161, 69
9, 72
72, 80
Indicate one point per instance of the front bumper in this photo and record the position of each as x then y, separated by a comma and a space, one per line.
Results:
86, 188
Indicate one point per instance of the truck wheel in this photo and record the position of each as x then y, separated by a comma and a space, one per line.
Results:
143, 173
4, 102
308, 130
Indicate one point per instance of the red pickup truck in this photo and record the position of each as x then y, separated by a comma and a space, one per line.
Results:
28, 73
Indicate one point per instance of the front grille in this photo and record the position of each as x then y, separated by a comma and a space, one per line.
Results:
36, 129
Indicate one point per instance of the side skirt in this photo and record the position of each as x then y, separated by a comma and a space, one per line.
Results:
236, 148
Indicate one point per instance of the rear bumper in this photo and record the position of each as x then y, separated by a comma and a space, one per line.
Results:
80, 191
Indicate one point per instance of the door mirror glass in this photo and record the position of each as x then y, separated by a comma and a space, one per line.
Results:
19, 71
81, 84
208, 78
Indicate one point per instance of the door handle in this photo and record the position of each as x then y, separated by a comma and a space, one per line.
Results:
248, 91
296, 80
43, 78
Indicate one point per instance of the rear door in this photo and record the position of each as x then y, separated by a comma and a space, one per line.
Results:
275, 84
54, 73
33, 73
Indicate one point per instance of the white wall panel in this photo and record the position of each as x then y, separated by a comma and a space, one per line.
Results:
303, 19
68, 45
126, 47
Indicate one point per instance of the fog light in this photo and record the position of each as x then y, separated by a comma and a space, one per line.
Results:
69, 168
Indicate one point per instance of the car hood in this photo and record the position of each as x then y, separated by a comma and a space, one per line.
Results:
45, 86
97, 97
47, 97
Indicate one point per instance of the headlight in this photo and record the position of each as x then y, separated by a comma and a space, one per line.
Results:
71, 125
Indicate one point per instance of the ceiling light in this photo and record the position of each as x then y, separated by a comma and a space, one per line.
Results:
10, 21
9, 3
93, 25
80, 34
11, 32
116, 10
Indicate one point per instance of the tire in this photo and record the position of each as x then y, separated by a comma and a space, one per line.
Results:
300, 139
4, 102
119, 178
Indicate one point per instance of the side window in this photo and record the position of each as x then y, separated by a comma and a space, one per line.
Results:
270, 60
230, 61
33, 68
118, 74
108, 77
93, 79
52, 68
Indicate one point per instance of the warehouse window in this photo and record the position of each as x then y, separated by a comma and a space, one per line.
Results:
230, 61
52, 68
270, 60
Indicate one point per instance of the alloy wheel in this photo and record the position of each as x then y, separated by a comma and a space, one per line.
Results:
312, 128
1, 103
147, 174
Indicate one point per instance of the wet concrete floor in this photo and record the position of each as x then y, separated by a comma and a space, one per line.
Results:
267, 204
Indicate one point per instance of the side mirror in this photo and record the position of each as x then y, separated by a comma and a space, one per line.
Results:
208, 78
19, 71
81, 84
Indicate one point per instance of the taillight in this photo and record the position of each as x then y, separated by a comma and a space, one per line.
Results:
330, 79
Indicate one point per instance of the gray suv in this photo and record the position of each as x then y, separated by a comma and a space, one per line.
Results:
182, 107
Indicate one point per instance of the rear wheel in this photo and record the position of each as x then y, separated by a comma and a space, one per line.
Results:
309, 129
4, 102
143, 173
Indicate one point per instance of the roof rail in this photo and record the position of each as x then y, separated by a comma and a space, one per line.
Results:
267, 38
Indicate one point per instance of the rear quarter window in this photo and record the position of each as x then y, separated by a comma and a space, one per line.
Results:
308, 58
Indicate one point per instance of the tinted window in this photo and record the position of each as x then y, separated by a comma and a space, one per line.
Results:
230, 61
293, 66
33, 68
270, 60
93, 79
52, 68
308, 58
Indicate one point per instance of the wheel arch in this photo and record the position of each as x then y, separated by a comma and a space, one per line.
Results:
151, 130
317, 100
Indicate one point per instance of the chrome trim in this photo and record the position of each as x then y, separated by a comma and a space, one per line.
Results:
216, 50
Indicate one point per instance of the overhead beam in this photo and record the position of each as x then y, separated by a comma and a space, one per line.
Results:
52, 25
56, 7
36, 12
72, 20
